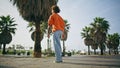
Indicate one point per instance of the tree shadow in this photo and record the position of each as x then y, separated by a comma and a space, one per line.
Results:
92, 64
2, 66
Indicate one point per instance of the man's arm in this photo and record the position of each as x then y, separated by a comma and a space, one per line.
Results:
49, 31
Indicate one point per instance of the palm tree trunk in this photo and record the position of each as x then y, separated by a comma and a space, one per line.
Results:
117, 51
0, 47
63, 48
88, 50
94, 51
37, 45
109, 52
114, 52
4, 52
101, 49
48, 47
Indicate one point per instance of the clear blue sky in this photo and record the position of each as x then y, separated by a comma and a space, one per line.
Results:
79, 13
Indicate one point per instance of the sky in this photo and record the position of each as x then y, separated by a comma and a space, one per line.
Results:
78, 13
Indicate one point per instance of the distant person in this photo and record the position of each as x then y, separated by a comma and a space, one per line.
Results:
56, 23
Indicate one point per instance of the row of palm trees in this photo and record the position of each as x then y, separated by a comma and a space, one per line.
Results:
7, 24
96, 35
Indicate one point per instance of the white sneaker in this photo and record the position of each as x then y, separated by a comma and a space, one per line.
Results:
58, 61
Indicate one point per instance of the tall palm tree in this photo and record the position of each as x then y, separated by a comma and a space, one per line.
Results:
67, 27
101, 26
87, 37
7, 27
35, 11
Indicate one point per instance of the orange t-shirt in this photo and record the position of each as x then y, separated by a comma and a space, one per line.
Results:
56, 22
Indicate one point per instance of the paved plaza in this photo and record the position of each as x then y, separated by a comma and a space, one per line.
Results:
76, 61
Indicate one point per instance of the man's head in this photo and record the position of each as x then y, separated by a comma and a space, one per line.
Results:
55, 9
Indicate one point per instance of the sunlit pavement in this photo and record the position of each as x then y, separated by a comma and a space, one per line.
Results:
76, 61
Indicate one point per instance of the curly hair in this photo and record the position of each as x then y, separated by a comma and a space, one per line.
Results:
55, 8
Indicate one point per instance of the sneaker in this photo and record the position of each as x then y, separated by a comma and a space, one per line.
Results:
58, 61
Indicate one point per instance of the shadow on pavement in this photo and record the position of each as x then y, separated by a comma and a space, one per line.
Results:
2, 66
108, 65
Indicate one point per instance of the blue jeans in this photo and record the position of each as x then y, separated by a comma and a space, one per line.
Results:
56, 39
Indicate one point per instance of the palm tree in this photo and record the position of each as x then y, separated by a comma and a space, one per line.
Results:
94, 44
43, 29
0, 46
115, 42
67, 27
35, 11
7, 27
87, 37
94, 47
100, 26
109, 42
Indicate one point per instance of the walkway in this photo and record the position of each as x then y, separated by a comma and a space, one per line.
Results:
76, 61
